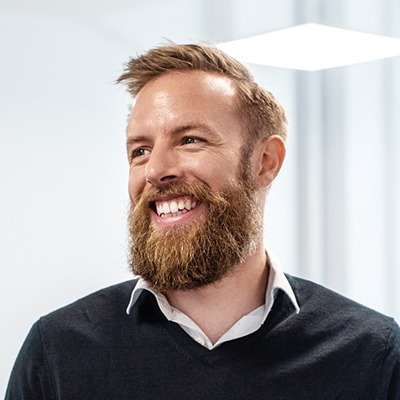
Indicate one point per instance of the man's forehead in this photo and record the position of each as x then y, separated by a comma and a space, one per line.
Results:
181, 88
199, 81
222, 84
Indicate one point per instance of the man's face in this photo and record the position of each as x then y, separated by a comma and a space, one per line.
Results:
193, 199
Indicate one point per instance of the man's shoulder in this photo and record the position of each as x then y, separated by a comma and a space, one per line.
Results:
332, 311
104, 304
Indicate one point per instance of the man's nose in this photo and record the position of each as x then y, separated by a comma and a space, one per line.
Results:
162, 166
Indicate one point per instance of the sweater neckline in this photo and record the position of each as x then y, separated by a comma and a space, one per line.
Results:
183, 343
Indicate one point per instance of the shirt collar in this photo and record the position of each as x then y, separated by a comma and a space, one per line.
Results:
276, 280
162, 301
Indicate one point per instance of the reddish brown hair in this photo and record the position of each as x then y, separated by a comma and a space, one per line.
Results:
262, 115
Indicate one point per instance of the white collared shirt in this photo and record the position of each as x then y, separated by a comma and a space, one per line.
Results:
245, 326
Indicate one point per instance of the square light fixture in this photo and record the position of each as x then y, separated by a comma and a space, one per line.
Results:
312, 47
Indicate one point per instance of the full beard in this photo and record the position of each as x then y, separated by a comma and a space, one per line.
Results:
200, 252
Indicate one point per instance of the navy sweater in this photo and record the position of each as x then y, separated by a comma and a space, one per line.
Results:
333, 349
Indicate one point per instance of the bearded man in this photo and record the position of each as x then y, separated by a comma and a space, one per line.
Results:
211, 315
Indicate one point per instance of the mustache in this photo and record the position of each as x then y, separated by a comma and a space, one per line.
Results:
200, 191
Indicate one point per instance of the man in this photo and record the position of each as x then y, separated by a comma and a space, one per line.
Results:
212, 315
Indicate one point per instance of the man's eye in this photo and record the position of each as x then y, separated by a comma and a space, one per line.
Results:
140, 152
191, 140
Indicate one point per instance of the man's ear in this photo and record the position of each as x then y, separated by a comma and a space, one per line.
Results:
271, 154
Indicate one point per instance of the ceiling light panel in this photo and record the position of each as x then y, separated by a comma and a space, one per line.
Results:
312, 47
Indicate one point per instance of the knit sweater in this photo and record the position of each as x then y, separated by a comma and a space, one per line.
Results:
91, 350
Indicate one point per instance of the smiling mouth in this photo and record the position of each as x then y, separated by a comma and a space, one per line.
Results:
174, 207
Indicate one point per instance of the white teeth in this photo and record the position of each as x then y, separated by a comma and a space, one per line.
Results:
166, 209
174, 208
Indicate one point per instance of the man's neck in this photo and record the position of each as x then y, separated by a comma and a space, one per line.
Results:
217, 307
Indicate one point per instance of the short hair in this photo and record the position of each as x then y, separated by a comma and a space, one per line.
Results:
261, 113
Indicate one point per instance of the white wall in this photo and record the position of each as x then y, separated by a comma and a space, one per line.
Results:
62, 170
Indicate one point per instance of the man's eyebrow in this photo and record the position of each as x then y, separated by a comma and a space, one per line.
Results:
192, 126
135, 139
174, 132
